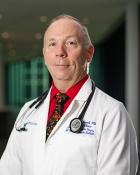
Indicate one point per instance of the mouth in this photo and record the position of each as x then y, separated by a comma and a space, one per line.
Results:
62, 65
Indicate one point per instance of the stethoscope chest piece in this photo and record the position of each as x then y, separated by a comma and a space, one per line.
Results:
76, 125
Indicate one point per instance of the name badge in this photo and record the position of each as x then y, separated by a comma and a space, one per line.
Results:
88, 129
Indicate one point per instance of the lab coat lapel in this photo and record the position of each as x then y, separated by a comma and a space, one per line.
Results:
40, 117
78, 102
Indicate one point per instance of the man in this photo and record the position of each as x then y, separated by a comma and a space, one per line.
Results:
103, 144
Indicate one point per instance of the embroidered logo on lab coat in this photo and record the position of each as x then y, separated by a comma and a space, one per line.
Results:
89, 128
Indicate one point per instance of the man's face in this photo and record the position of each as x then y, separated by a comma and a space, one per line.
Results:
64, 51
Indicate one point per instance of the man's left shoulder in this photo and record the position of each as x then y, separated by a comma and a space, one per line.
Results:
106, 101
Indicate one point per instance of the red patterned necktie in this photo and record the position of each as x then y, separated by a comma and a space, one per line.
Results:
60, 100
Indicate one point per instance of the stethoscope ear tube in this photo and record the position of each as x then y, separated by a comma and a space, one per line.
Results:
77, 124
40, 99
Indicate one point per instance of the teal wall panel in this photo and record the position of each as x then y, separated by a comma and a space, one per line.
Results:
26, 80
96, 69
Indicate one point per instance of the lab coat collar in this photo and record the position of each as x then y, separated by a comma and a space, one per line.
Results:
82, 95
84, 92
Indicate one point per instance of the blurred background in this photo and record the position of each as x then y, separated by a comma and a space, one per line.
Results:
114, 29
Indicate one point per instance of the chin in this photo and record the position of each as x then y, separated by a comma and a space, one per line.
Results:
63, 77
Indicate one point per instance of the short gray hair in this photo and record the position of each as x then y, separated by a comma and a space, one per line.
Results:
86, 36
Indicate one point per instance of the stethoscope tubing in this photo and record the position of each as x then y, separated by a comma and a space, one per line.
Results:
81, 116
76, 124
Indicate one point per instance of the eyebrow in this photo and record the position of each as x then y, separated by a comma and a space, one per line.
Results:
51, 39
67, 37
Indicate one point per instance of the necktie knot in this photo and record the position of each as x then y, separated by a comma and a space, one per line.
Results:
61, 98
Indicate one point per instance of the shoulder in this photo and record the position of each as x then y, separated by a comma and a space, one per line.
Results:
111, 110
34, 102
102, 101
106, 100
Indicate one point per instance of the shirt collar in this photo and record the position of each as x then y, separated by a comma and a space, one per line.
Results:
54, 91
71, 92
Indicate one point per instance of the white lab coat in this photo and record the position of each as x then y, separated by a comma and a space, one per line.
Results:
106, 146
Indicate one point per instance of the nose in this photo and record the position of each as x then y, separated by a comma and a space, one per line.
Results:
61, 51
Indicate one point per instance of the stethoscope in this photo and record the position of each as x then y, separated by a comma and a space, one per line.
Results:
76, 125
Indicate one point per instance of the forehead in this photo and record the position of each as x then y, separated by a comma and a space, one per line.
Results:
64, 27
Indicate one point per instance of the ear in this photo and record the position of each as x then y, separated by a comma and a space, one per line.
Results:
90, 53
43, 51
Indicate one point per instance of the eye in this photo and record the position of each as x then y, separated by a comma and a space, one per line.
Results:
51, 44
71, 43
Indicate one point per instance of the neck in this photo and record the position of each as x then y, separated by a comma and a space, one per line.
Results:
64, 85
